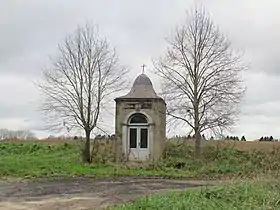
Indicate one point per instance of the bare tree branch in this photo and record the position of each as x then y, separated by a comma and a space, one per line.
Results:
82, 77
201, 76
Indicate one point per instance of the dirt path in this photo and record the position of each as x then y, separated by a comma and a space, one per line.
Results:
81, 193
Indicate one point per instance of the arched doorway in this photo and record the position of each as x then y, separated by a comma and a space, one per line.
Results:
138, 137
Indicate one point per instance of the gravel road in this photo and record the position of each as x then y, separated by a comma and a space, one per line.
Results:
82, 193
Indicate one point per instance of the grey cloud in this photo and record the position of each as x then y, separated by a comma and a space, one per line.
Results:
31, 30
17, 111
267, 111
262, 89
34, 28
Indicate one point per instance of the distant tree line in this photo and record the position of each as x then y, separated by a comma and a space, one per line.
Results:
235, 138
188, 137
98, 137
193, 137
104, 137
266, 138
16, 134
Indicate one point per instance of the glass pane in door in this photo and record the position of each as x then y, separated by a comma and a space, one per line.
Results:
144, 138
133, 137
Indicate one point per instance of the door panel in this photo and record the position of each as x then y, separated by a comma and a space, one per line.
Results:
144, 138
133, 137
133, 144
138, 143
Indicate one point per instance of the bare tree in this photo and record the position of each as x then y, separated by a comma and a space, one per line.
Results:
201, 76
82, 77
16, 134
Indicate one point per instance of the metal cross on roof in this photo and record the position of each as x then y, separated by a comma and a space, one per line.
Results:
143, 68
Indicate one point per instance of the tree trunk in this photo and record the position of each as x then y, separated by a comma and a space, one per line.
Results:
86, 153
197, 147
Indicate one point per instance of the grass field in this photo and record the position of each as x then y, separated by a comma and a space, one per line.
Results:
258, 195
62, 159
223, 159
54, 159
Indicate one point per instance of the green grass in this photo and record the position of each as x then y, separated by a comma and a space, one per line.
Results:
43, 159
241, 196
35, 160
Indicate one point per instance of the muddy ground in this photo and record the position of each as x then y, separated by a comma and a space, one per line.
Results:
82, 193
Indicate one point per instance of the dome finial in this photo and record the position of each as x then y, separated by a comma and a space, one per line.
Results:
143, 68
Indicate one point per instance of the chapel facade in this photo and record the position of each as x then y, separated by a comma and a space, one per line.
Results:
140, 123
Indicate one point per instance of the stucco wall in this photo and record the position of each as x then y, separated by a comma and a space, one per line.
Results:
158, 118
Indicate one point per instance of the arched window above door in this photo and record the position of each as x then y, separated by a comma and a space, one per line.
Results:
138, 118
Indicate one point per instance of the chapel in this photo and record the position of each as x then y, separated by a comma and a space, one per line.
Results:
140, 122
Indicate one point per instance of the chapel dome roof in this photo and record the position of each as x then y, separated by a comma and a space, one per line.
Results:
142, 79
142, 88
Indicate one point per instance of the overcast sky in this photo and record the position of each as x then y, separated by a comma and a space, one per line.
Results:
31, 29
